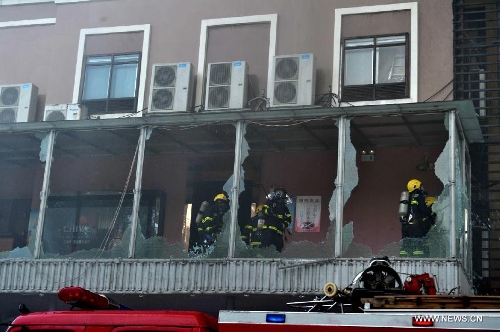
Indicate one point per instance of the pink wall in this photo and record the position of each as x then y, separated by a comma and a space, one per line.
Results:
46, 55
17, 183
373, 205
309, 173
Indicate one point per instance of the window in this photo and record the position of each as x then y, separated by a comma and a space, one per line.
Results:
110, 83
375, 68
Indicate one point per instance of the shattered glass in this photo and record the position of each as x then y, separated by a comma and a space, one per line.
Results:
189, 165
89, 207
21, 175
91, 193
386, 157
285, 154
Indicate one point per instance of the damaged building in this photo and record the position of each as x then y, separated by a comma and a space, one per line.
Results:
119, 118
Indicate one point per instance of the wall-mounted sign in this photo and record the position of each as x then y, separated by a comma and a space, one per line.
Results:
307, 213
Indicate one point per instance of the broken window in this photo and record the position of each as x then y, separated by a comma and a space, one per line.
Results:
89, 206
21, 174
391, 151
190, 165
299, 157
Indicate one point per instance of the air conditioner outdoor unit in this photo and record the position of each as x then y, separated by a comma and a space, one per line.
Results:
59, 112
294, 80
226, 86
18, 102
171, 88
116, 116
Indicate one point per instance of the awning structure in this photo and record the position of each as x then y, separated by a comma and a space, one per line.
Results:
378, 126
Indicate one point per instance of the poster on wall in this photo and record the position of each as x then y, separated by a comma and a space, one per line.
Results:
307, 214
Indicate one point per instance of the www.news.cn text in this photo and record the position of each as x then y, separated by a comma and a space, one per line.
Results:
450, 318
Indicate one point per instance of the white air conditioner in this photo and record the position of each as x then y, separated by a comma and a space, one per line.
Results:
294, 80
171, 88
116, 115
18, 102
59, 112
226, 86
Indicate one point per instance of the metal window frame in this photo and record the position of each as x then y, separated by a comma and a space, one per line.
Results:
110, 80
374, 48
84, 33
341, 13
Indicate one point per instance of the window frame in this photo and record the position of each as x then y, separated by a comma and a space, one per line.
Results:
84, 33
108, 98
374, 86
341, 13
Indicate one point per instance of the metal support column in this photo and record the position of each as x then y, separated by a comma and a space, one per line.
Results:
339, 186
452, 183
51, 138
235, 191
137, 190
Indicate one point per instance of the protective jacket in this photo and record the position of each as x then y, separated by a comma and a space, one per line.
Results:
278, 218
420, 218
210, 225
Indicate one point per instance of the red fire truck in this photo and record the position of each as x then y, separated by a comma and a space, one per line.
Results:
98, 313
373, 301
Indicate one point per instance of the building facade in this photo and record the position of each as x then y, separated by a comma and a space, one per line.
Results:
119, 118
476, 77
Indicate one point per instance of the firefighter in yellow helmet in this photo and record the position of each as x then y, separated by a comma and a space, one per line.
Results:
211, 223
256, 226
417, 221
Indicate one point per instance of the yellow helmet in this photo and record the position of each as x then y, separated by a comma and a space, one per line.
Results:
413, 184
429, 200
221, 196
259, 208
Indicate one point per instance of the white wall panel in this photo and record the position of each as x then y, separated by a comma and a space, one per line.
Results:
208, 276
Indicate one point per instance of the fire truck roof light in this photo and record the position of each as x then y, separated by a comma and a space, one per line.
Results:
83, 298
421, 321
275, 318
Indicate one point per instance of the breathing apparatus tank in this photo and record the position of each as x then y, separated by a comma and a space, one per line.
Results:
202, 210
403, 204
261, 220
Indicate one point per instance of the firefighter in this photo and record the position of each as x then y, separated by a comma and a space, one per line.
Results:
277, 219
256, 226
211, 223
417, 221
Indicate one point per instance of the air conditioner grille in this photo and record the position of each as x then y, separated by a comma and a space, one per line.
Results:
56, 116
218, 97
8, 115
220, 74
285, 92
287, 68
10, 96
163, 99
165, 76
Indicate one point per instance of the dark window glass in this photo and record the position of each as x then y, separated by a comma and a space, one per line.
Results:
110, 83
375, 68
